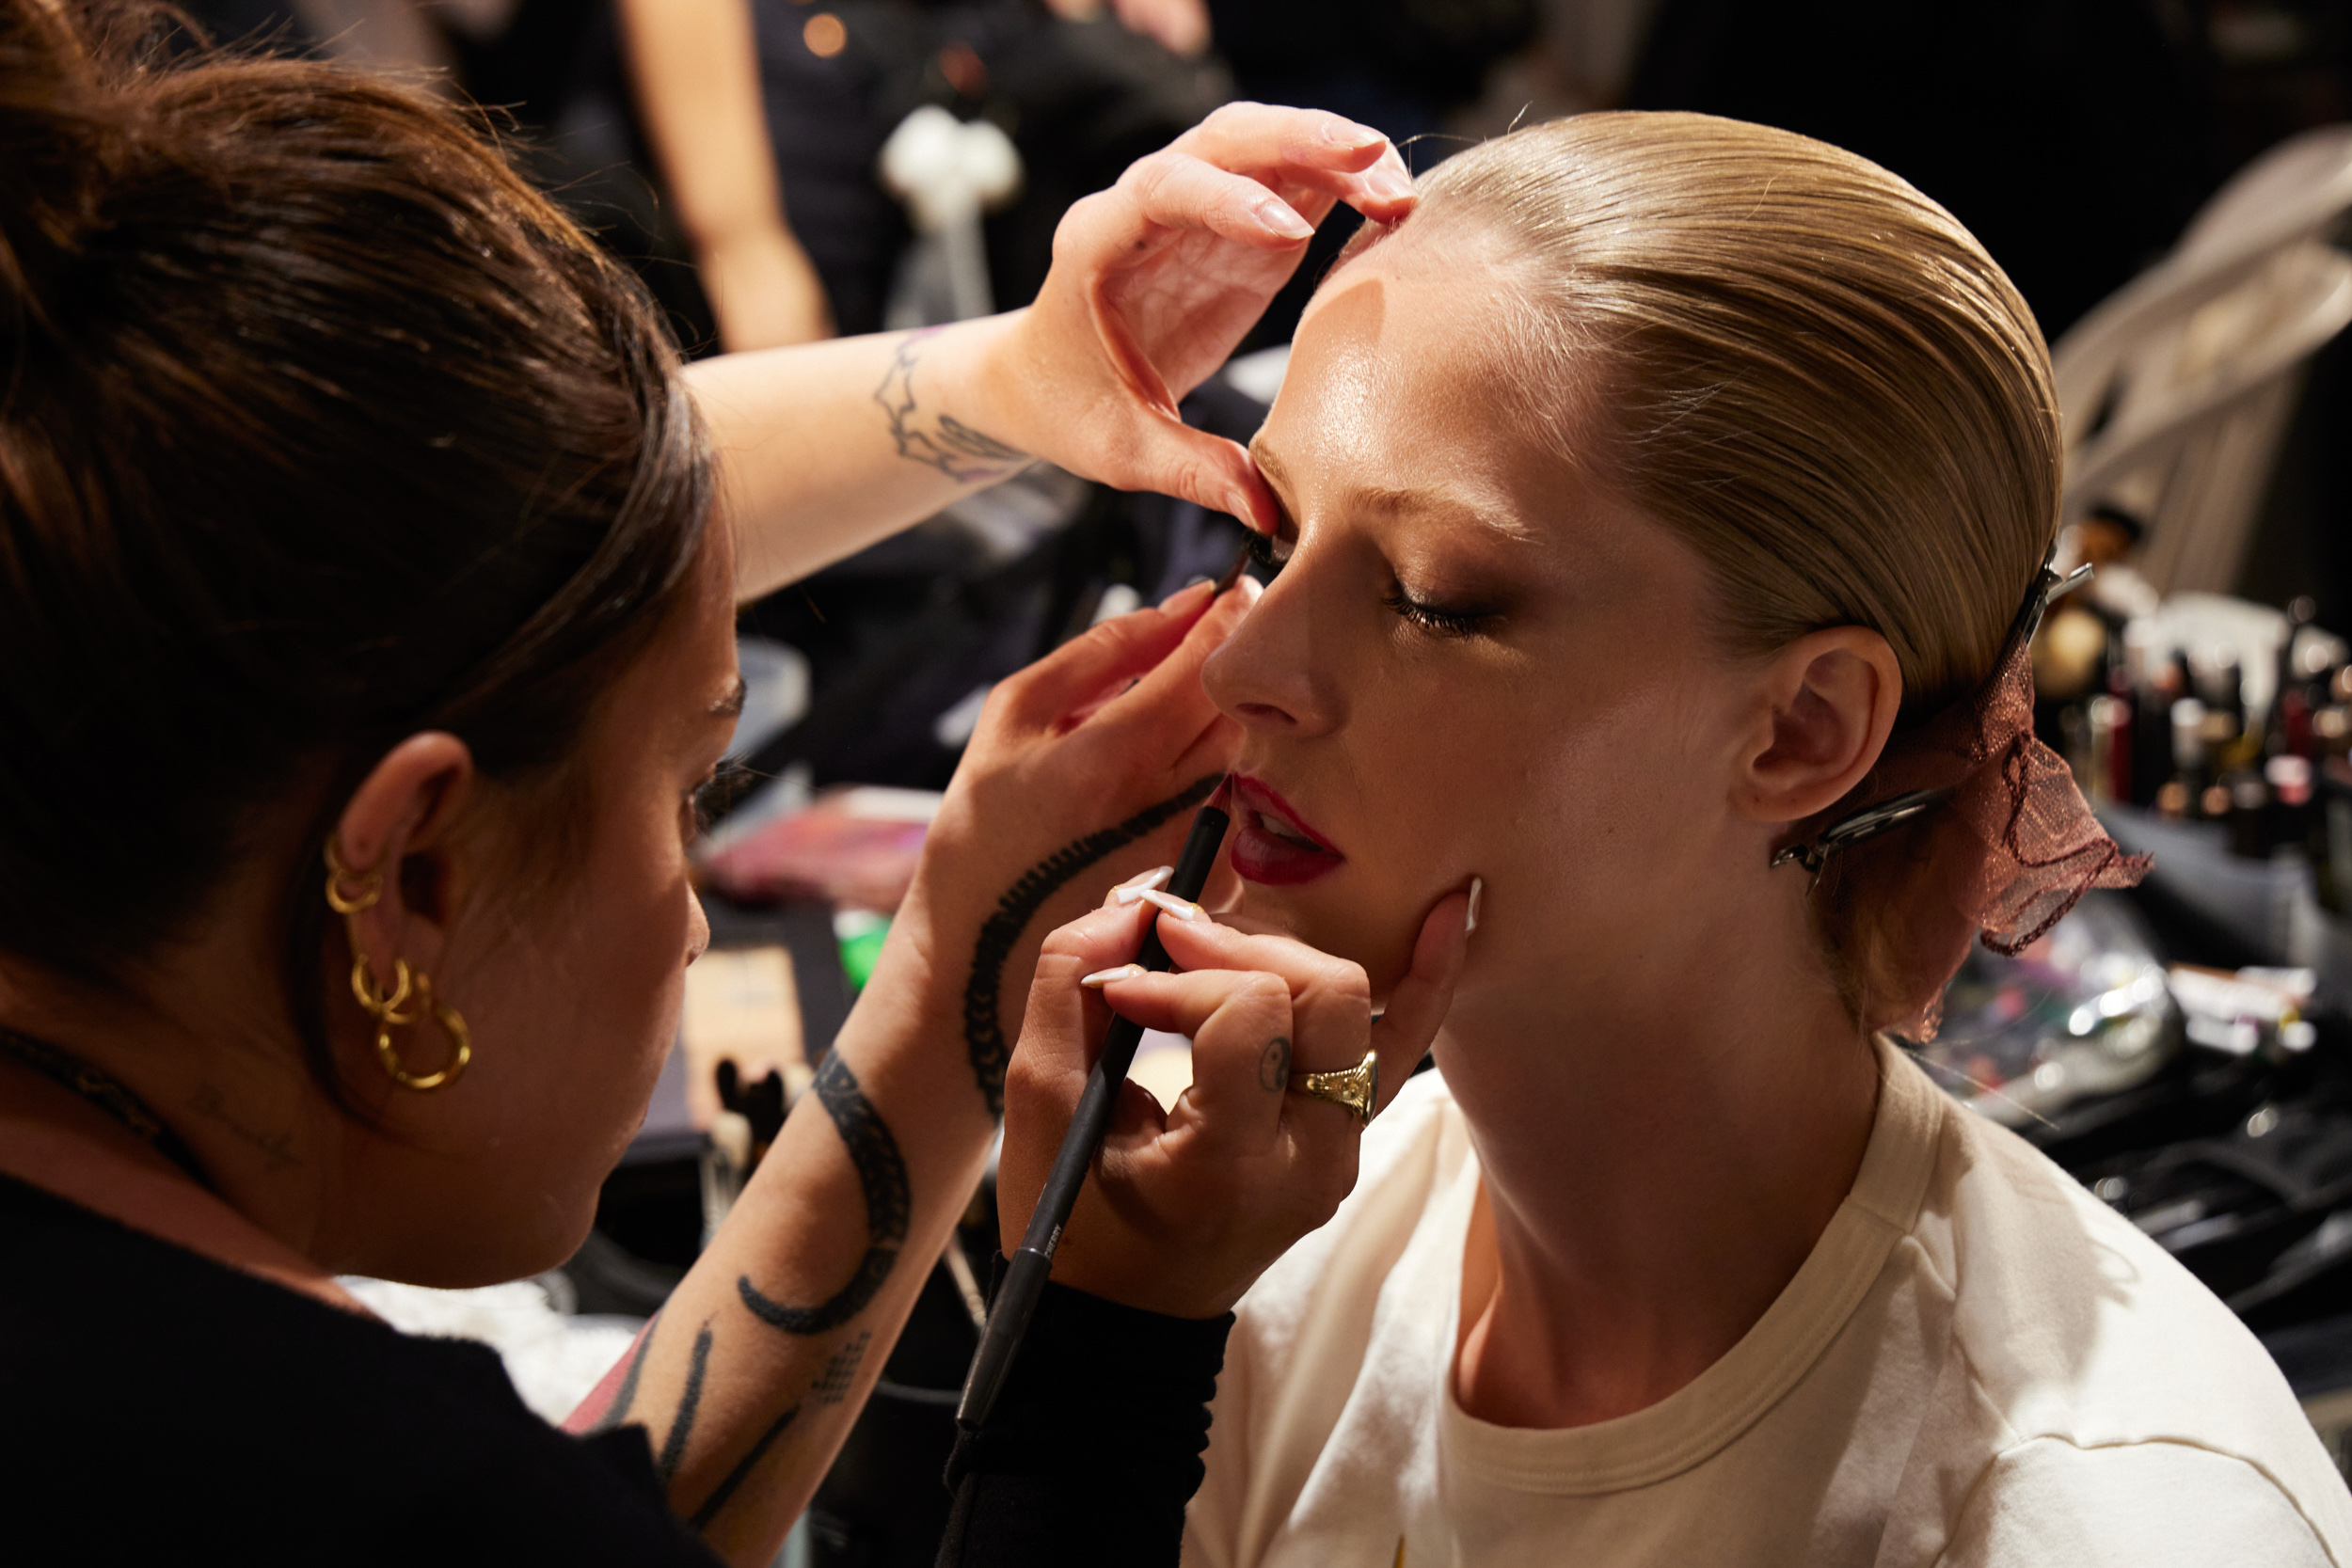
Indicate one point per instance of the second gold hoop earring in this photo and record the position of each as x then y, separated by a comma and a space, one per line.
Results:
408, 984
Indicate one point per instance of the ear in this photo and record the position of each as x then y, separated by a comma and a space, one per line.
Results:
1828, 703
397, 822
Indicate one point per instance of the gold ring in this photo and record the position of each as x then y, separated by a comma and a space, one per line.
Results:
1356, 1088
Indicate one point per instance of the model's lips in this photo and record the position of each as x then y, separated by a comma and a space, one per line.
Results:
1274, 845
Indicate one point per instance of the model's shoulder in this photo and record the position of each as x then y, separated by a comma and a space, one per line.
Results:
2076, 1327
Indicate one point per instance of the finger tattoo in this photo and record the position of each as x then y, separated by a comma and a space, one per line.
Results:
983, 1033
882, 1175
1274, 1064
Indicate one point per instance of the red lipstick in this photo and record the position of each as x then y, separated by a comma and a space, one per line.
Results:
1274, 845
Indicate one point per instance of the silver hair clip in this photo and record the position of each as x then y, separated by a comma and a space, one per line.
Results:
1870, 821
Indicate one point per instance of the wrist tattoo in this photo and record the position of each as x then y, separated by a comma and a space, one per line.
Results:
882, 1175
1274, 1064
950, 445
983, 1032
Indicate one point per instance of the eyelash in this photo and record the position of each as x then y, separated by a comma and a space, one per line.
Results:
1437, 619
713, 795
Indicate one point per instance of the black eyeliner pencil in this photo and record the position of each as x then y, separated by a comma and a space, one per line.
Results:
1033, 1260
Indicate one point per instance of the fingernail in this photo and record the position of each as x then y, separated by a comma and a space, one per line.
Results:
1177, 598
1134, 888
1347, 134
1181, 908
1390, 184
1478, 894
1250, 588
1237, 505
1279, 216
1102, 977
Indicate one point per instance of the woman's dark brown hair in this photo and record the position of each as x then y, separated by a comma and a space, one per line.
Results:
318, 427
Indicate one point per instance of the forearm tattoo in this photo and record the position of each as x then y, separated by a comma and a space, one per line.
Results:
947, 444
626, 1395
718, 1498
882, 1175
983, 1033
689, 1405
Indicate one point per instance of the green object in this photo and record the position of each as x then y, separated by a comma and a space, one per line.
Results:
860, 934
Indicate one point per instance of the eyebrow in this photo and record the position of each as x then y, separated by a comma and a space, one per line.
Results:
731, 706
1388, 498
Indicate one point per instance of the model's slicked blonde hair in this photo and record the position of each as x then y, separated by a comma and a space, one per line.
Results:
1789, 356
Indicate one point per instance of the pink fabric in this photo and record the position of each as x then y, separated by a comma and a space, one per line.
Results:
2005, 857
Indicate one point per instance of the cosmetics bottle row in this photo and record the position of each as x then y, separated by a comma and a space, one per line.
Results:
2192, 734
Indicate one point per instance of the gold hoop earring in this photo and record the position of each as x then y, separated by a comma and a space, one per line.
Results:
386, 1008
460, 1038
371, 885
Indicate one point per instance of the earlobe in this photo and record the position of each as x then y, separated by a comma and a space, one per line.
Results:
1832, 698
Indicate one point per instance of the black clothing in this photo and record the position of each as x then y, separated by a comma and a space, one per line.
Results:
1094, 1447
162, 1407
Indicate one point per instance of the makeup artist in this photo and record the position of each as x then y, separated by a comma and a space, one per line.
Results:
367, 568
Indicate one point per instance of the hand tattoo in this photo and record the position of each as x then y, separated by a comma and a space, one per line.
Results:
952, 447
983, 1033
1274, 1064
882, 1176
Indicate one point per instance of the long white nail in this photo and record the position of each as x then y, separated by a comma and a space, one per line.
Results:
1181, 909
1134, 888
1102, 977
1478, 894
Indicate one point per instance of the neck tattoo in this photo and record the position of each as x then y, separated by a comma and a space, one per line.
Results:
106, 1091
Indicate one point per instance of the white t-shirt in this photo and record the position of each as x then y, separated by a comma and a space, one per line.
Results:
1979, 1364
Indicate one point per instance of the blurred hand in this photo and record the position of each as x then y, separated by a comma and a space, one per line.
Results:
1185, 1207
1179, 26
1155, 279
1085, 767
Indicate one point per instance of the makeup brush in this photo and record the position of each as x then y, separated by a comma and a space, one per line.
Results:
1033, 1260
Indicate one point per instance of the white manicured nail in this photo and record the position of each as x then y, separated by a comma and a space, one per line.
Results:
1181, 909
1134, 888
1478, 893
1102, 977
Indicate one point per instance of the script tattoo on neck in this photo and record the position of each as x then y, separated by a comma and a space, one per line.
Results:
983, 1031
275, 1147
882, 1175
950, 445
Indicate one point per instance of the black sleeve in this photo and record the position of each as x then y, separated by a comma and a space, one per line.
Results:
1094, 1447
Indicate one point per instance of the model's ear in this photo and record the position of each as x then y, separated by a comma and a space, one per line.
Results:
1826, 703
397, 822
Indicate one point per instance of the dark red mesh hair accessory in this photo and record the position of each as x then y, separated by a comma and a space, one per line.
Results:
1968, 826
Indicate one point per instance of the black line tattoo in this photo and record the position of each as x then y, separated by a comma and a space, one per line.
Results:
277, 1147
952, 447
1274, 1065
983, 1032
688, 1404
626, 1395
833, 1383
718, 1500
882, 1176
